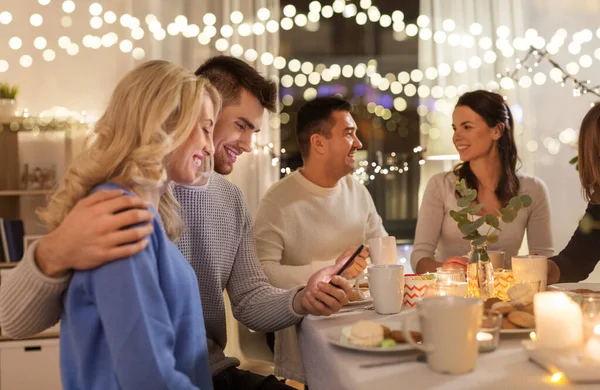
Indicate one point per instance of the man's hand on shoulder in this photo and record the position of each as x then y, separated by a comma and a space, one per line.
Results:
91, 234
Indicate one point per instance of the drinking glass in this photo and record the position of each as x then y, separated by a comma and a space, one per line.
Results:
447, 275
441, 290
590, 306
503, 280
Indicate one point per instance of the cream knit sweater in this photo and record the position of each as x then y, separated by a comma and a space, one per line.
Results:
439, 238
300, 228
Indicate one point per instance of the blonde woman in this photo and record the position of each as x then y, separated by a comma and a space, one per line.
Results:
137, 323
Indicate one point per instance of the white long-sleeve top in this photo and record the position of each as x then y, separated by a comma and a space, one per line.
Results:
438, 236
301, 227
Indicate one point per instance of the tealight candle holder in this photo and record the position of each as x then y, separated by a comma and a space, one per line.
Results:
489, 335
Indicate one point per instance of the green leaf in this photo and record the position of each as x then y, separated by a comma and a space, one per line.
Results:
460, 218
464, 211
479, 240
479, 222
508, 214
472, 236
526, 200
515, 203
492, 238
575, 161
471, 195
471, 228
475, 209
463, 202
468, 228
461, 186
492, 220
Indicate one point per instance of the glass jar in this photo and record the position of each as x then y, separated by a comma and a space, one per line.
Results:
590, 306
480, 273
503, 280
447, 275
441, 290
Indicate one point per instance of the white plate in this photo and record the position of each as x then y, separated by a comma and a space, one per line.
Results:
358, 303
339, 337
569, 362
574, 286
517, 331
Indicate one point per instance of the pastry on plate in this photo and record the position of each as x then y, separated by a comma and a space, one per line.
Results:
522, 319
521, 295
354, 296
398, 336
366, 334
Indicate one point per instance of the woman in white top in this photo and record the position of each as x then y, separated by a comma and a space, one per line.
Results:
484, 138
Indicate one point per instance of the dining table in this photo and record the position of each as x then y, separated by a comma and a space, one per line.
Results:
331, 367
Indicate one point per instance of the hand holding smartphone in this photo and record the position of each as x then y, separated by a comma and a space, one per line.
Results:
350, 261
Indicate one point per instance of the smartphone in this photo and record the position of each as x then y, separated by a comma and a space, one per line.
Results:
350, 261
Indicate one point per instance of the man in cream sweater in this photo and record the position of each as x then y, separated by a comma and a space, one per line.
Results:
306, 220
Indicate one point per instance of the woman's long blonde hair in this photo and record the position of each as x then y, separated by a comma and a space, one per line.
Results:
152, 111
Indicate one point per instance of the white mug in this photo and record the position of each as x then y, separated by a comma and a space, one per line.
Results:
382, 250
386, 285
531, 268
497, 259
449, 326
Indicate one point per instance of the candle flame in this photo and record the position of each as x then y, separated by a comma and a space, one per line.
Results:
557, 377
484, 336
533, 336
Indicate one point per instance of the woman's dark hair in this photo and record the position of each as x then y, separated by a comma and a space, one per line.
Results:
491, 107
589, 144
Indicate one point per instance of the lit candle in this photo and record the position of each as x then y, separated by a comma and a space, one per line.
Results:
592, 349
533, 336
486, 341
559, 321
462, 289
591, 327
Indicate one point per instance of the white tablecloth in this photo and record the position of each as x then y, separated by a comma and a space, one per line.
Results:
329, 367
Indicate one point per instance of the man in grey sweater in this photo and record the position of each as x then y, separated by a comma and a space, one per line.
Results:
218, 242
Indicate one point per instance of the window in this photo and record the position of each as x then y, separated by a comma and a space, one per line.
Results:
336, 55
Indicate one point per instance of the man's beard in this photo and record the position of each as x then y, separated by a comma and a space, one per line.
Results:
221, 166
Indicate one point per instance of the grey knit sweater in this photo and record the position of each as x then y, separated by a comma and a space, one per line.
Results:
219, 244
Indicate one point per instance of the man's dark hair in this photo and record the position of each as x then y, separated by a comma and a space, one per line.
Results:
314, 117
229, 75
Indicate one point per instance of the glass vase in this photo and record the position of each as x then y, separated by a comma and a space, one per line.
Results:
480, 273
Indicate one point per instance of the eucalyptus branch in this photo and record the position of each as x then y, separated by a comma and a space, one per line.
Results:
465, 217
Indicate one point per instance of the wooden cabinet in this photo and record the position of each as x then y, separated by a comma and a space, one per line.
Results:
30, 365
